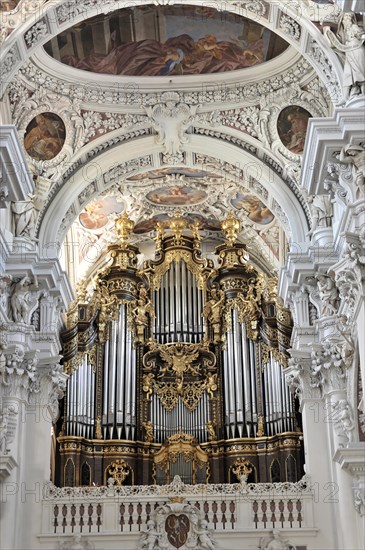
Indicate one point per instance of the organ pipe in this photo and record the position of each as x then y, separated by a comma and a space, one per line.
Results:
204, 341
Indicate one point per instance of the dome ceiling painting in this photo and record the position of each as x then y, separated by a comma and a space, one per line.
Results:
161, 41
202, 197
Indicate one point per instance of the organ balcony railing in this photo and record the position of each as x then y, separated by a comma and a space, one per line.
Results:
180, 346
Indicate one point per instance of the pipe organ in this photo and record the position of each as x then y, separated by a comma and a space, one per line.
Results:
177, 368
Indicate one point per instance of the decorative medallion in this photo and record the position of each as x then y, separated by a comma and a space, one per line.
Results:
177, 529
44, 136
292, 128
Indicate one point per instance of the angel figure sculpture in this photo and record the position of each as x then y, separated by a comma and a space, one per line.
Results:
328, 294
213, 310
149, 538
276, 543
349, 40
22, 299
205, 540
143, 308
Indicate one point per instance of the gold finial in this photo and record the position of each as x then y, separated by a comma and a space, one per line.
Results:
119, 470
242, 468
124, 227
230, 227
260, 426
177, 225
159, 228
195, 231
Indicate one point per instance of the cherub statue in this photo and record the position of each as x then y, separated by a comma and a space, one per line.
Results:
212, 385
276, 542
144, 307
149, 538
147, 384
148, 427
349, 40
205, 539
212, 436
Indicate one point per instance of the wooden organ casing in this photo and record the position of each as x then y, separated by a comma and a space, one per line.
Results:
177, 368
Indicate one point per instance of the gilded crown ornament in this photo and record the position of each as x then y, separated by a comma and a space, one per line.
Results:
231, 228
177, 225
124, 227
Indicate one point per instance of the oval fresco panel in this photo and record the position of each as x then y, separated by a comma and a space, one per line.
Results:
160, 173
196, 40
292, 127
44, 136
176, 195
255, 209
95, 214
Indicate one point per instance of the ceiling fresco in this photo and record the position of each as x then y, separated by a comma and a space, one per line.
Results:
169, 40
96, 214
9, 6
255, 209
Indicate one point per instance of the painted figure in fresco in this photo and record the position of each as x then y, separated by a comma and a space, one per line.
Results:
349, 40
45, 140
178, 55
257, 212
297, 132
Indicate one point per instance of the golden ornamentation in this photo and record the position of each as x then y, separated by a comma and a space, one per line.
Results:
242, 469
211, 385
124, 227
247, 311
98, 431
177, 225
212, 312
179, 358
159, 236
155, 273
212, 436
279, 356
148, 428
140, 312
147, 384
185, 445
231, 228
119, 471
260, 426
169, 393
